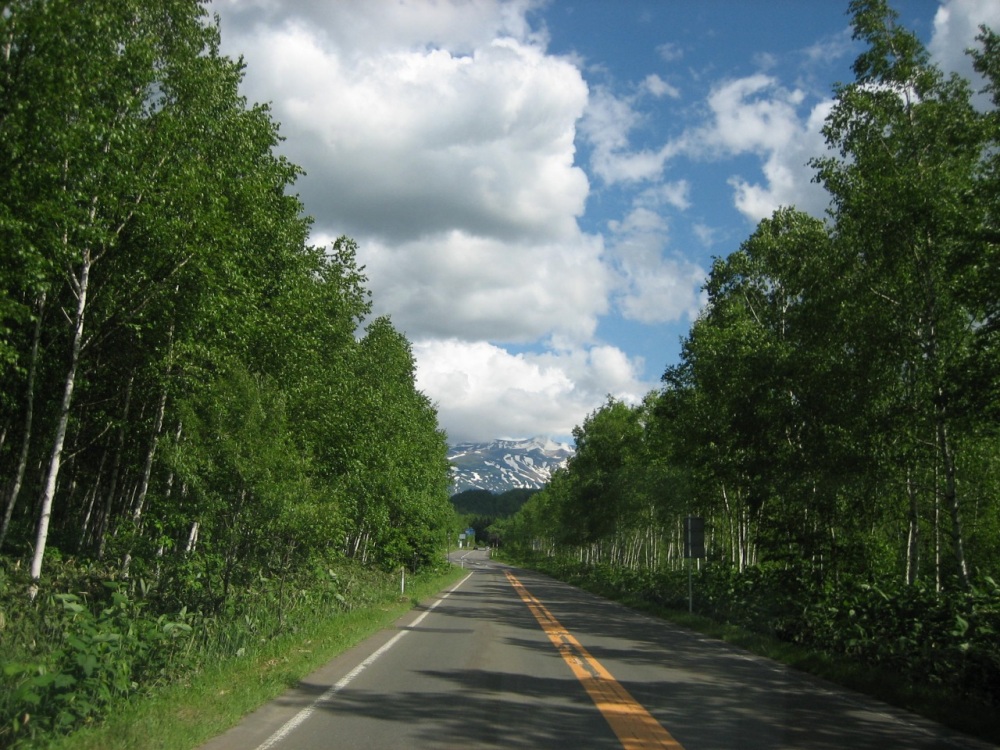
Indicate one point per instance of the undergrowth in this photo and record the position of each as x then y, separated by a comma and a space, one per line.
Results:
92, 645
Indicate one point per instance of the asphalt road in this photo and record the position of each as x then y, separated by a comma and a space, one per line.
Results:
513, 659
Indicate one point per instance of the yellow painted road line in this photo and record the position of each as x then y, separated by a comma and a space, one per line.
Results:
634, 725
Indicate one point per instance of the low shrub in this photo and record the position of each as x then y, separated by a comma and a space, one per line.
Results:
92, 640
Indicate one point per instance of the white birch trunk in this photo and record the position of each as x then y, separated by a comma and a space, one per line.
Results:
102, 534
192, 541
55, 460
951, 498
913, 536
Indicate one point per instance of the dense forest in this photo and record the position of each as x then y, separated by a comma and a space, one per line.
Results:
490, 504
834, 415
480, 509
198, 416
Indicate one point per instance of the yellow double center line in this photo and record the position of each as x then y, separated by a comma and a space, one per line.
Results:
634, 725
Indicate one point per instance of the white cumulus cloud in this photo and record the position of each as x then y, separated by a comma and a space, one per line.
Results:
441, 137
469, 287
757, 115
412, 142
956, 25
483, 391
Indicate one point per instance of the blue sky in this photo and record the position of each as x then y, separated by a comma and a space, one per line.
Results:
538, 188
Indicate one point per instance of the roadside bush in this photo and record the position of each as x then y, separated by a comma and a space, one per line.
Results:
71, 655
949, 638
67, 657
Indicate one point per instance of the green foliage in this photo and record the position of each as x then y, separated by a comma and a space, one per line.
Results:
490, 504
910, 630
85, 655
393, 456
70, 658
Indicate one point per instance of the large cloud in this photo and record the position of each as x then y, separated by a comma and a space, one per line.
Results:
457, 285
441, 137
409, 142
956, 25
483, 391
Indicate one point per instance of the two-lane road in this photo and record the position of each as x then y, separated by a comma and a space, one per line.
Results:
512, 659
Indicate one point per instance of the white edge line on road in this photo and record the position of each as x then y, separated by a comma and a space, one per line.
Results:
290, 725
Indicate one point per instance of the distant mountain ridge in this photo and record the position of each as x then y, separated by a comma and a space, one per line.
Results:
503, 465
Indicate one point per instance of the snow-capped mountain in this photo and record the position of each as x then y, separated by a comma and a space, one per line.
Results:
506, 464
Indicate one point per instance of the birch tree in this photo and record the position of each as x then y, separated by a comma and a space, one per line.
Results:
909, 144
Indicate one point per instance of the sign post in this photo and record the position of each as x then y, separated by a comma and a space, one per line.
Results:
694, 547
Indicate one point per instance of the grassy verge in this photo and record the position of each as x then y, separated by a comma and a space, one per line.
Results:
925, 699
182, 716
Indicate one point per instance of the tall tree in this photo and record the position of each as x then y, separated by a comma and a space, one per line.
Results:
910, 143
981, 277
396, 456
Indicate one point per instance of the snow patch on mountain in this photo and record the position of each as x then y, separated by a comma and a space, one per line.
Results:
506, 464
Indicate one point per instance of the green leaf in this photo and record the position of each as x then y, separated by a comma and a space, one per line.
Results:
29, 696
11, 669
64, 680
87, 662
961, 626
43, 680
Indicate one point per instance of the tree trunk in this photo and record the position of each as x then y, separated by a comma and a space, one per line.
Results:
90, 502
109, 497
147, 471
192, 541
28, 419
913, 538
161, 408
55, 460
937, 538
951, 500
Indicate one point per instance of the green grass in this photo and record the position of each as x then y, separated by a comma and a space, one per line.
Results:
183, 716
944, 707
